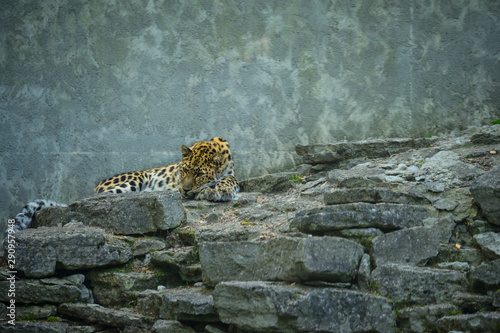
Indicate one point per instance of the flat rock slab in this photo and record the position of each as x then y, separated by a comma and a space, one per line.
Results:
273, 307
50, 290
111, 288
489, 243
373, 195
384, 216
330, 259
94, 313
40, 251
473, 323
27, 326
188, 304
268, 183
412, 246
486, 191
122, 214
335, 152
418, 285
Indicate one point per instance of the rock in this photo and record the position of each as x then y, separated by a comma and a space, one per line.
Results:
473, 323
420, 319
472, 302
189, 304
359, 215
321, 158
112, 288
486, 191
94, 313
361, 235
435, 187
145, 245
176, 257
486, 276
450, 253
170, 326
373, 195
268, 183
283, 258
39, 251
149, 302
370, 178
35, 312
487, 136
417, 285
455, 265
412, 246
364, 272
489, 243
496, 299
446, 166
27, 327
192, 273
123, 214
274, 307
445, 204
52, 290
335, 152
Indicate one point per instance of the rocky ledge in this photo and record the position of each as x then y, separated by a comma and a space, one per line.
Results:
396, 235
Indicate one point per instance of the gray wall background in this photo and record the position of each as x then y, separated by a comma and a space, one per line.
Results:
89, 89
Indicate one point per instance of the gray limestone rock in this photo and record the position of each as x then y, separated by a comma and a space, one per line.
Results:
146, 245
487, 135
112, 288
170, 326
122, 214
473, 323
417, 285
283, 258
189, 304
446, 166
335, 152
36, 311
50, 290
28, 327
268, 183
412, 246
40, 251
486, 191
472, 302
275, 307
94, 313
384, 216
489, 243
445, 204
420, 319
486, 276
373, 195
175, 257
364, 272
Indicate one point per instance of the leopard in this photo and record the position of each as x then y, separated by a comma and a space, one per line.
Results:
205, 172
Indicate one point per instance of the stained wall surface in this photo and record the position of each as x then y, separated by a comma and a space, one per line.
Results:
89, 89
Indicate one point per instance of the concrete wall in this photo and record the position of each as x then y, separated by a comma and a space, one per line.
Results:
92, 88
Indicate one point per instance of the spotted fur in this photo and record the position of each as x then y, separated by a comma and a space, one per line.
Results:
24, 218
206, 172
